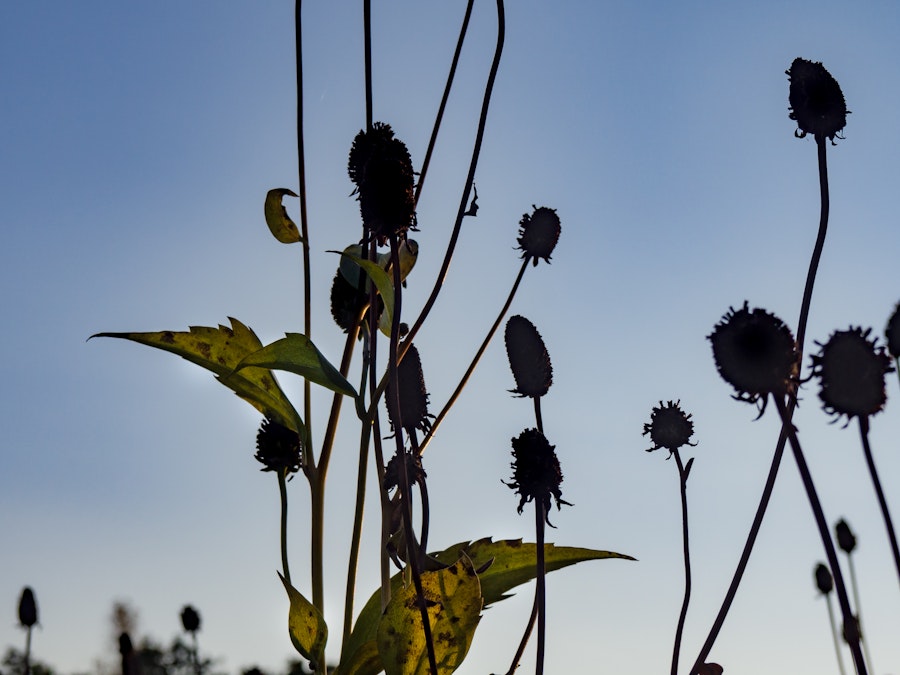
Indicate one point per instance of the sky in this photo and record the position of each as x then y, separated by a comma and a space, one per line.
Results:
138, 143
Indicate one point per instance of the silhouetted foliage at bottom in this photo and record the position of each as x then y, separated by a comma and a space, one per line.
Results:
154, 659
14, 664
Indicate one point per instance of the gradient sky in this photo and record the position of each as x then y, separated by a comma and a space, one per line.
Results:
138, 142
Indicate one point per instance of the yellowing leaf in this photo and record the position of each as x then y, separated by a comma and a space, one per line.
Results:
378, 275
297, 354
220, 350
306, 625
280, 224
453, 602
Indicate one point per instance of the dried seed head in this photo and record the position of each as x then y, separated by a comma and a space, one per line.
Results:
190, 619
381, 169
892, 333
278, 448
846, 538
538, 233
823, 579
536, 471
756, 354
817, 103
851, 370
346, 302
669, 427
413, 395
28, 615
415, 473
528, 358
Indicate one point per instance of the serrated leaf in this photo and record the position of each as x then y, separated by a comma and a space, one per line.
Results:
297, 354
453, 602
280, 224
220, 350
515, 565
306, 625
514, 562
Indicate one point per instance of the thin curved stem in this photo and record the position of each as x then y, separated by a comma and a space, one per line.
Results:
473, 163
834, 635
824, 209
282, 490
679, 631
444, 98
524, 641
367, 30
882, 501
858, 605
840, 587
465, 378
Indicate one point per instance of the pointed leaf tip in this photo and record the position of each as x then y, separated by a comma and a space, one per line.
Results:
306, 625
280, 224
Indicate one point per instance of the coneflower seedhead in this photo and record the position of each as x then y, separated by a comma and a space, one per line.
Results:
190, 619
817, 103
346, 302
28, 615
824, 582
538, 233
851, 370
528, 358
415, 472
536, 471
892, 333
277, 447
669, 427
381, 169
413, 395
756, 354
845, 537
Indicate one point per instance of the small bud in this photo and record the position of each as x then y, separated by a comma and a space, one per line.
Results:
846, 538
528, 358
190, 619
669, 427
823, 579
28, 614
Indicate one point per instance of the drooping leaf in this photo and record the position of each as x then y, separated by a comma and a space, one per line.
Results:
378, 275
509, 563
280, 224
297, 354
514, 562
306, 625
453, 601
220, 350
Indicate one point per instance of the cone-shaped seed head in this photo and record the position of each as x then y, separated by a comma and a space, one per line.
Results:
528, 358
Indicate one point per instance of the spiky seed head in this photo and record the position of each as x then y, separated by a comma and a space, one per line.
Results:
756, 354
278, 448
536, 471
413, 395
892, 333
851, 371
669, 427
817, 102
538, 233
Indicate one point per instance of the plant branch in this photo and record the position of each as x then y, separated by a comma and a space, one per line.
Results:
679, 631
882, 501
282, 490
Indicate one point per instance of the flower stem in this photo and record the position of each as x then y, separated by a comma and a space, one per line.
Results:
870, 461
476, 359
834, 634
824, 209
540, 588
839, 586
858, 605
282, 490
679, 631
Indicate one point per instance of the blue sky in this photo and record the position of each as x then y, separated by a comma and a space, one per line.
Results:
138, 143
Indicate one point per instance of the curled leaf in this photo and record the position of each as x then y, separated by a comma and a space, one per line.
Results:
280, 224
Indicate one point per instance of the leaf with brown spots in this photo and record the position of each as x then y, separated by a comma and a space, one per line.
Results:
220, 350
453, 601
306, 625
280, 224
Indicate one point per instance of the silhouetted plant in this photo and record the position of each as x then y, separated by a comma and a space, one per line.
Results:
28, 617
825, 584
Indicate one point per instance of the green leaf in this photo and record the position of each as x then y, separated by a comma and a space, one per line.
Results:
514, 562
297, 354
453, 601
378, 275
306, 625
510, 563
280, 224
220, 350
